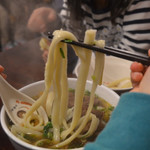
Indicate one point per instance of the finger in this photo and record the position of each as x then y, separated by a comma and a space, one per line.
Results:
136, 76
137, 67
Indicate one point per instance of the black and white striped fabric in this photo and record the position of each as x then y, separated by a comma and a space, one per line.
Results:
131, 31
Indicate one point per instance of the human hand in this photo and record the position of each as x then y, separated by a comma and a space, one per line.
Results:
137, 72
41, 18
144, 85
1, 72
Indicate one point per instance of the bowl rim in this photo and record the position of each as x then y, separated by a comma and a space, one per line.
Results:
27, 145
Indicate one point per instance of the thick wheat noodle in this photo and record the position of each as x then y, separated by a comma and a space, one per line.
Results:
64, 95
49, 74
56, 79
80, 88
99, 66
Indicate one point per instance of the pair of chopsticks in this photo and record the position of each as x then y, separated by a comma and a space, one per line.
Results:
132, 56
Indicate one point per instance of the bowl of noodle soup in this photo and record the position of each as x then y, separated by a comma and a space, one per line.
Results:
74, 112
33, 90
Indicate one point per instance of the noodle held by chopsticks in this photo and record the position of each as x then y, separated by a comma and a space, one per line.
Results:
57, 83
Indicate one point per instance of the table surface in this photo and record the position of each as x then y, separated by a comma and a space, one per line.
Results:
23, 65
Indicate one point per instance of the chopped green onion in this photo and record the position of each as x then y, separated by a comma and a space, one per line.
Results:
46, 130
44, 143
93, 78
61, 130
111, 108
62, 53
29, 137
87, 93
71, 90
50, 135
68, 41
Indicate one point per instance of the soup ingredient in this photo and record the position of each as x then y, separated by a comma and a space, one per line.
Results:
121, 83
46, 131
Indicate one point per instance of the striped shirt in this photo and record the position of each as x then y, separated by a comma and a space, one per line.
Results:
131, 31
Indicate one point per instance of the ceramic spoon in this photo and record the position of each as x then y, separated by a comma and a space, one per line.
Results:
16, 103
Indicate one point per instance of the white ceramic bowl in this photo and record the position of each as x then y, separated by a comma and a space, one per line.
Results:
114, 69
33, 90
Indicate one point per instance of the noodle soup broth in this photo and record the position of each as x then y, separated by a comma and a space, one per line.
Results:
34, 89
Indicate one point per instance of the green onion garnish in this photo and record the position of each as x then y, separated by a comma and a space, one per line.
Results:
62, 53
68, 41
46, 130
111, 108
93, 78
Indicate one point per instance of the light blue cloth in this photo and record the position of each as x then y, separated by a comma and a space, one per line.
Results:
129, 126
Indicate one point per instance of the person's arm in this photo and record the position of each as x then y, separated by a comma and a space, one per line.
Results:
1, 71
129, 125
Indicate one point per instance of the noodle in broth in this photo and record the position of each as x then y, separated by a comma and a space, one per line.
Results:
55, 95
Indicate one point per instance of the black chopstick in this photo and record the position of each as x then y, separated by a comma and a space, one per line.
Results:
124, 54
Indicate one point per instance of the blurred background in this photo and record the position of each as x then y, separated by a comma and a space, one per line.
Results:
14, 15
